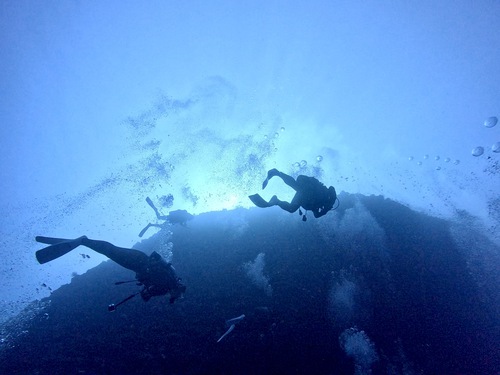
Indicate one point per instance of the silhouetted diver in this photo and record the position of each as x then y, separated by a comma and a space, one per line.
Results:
174, 217
311, 194
157, 276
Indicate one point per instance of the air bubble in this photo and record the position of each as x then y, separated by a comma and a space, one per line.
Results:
437, 158
490, 122
282, 128
410, 158
303, 163
426, 157
419, 163
456, 162
496, 147
478, 151
276, 135
447, 160
319, 158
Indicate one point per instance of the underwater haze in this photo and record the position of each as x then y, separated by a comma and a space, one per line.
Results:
190, 103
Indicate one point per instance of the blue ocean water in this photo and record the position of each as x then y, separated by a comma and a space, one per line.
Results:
396, 104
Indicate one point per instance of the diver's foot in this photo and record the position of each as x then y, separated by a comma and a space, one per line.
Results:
273, 201
80, 240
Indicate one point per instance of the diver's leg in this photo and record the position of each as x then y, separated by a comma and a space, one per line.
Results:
134, 260
289, 180
290, 207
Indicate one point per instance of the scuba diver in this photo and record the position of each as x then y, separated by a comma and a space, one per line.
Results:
174, 217
156, 275
311, 194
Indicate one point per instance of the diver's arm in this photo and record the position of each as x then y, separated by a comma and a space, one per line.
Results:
318, 212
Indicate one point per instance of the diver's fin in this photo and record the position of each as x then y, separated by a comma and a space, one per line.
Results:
50, 240
57, 250
151, 204
259, 201
144, 230
264, 184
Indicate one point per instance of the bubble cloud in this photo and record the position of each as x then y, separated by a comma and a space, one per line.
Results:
357, 345
255, 272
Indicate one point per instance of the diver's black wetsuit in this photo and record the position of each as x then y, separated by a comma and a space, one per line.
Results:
157, 276
311, 194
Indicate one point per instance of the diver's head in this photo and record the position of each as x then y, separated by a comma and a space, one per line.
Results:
155, 256
332, 194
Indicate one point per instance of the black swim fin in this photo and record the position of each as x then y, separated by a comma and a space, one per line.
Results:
151, 204
57, 249
259, 201
144, 230
264, 184
50, 240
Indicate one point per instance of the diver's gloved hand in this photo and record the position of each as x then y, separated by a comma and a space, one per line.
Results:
178, 291
146, 296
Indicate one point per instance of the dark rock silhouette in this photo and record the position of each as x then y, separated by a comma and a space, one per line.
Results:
399, 275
